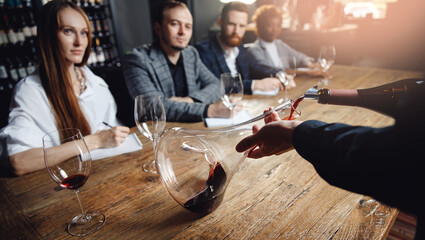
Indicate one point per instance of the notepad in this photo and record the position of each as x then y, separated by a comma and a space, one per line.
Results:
241, 116
267, 93
131, 144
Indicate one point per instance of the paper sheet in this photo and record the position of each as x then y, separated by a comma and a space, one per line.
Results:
267, 93
241, 116
131, 144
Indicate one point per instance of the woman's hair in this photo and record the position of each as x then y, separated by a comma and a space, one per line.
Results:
54, 74
263, 14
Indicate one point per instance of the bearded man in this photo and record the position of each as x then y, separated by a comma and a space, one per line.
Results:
224, 53
172, 69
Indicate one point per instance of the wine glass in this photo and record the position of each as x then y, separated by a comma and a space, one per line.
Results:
231, 88
326, 59
149, 115
289, 65
69, 163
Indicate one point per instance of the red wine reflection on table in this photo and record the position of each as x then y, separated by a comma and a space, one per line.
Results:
208, 200
74, 182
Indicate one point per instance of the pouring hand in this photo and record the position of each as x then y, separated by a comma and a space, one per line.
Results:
273, 138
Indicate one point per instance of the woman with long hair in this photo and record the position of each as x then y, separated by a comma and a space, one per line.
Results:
63, 93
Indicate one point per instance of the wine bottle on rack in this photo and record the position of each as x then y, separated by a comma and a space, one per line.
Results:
100, 55
393, 99
97, 23
30, 65
4, 78
22, 72
12, 70
104, 22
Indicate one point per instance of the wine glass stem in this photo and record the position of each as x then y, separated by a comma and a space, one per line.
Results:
232, 114
77, 192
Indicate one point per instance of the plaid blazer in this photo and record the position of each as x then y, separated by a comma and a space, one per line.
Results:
146, 72
213, 57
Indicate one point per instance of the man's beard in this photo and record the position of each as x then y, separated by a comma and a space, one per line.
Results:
233, 40
177, 48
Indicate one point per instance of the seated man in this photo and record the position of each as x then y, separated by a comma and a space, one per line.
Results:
269, 50
224, 52
174, 70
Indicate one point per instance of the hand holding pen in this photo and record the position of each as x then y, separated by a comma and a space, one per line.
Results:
108, 138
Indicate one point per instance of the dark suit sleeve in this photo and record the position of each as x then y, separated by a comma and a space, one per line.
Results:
258, 70
140, 79
209, 85
381, 162
207, 58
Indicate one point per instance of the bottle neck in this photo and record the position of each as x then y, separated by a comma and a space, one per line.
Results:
385, 99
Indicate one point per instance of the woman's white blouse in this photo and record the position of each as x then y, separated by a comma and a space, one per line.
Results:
31, 115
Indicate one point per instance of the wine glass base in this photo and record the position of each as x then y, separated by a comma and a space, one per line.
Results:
150, 167
85, 224
324, 82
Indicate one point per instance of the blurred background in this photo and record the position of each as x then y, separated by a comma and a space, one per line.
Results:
370, 33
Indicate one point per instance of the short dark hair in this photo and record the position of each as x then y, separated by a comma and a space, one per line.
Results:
264, 14
169, 4
236, 6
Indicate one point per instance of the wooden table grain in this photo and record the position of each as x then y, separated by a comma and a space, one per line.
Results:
277, 197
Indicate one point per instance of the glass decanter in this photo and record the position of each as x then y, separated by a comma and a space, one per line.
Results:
195, 166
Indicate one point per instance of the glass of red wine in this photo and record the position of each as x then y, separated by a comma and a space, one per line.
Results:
69, 164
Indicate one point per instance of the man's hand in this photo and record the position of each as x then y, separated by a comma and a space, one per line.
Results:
273, 138
181, 99
267, 84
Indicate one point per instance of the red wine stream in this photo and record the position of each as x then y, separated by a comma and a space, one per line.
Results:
210, 198
294, 107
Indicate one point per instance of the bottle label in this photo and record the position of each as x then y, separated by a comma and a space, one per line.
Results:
31, 69
27, 31
22, 72
34, 31
3, 72
100, 56
12, 37
3, 35
14, 74
20, 36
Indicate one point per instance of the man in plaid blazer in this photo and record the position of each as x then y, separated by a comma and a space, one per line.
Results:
173, 69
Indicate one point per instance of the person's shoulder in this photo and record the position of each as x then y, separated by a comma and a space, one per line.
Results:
190, 50
142, 50
204, 45
29, 83
93, 77
280, 43
29, 87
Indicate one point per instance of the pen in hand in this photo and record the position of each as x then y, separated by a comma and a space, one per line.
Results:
107, 124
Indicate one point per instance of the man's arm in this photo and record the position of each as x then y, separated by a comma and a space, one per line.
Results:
384, 163
209, 85
141, 79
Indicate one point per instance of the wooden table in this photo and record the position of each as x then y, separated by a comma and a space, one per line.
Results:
275, 197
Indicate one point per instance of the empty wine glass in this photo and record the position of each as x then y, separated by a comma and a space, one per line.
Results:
289, 64
231, 88
69, 164
149, 115
326, 59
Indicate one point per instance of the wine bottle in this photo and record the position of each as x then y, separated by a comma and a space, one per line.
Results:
12, 69
100, 55
22, 72
3, 72
394, 99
